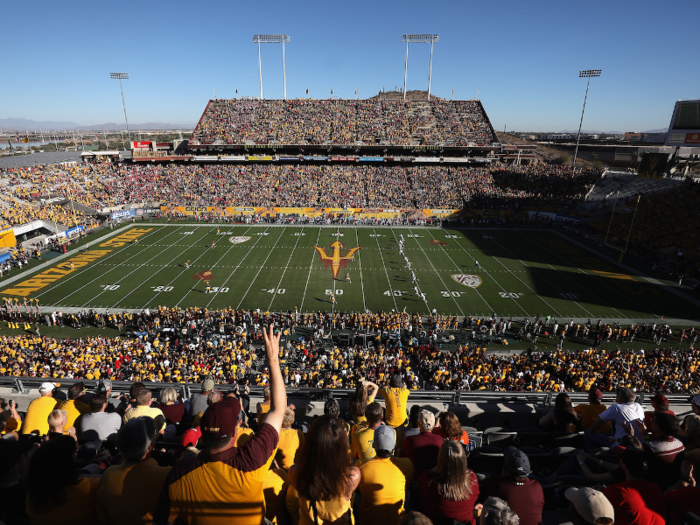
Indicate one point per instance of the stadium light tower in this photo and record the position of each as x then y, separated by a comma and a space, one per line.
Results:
419, 39
272, 39
588, 73
120, 77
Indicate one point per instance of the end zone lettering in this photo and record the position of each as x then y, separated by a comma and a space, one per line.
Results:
51, 275
121, 240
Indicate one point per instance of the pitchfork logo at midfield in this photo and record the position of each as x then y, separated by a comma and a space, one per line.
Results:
336, 260
472, 281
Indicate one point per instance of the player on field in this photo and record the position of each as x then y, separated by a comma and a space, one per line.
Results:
218, 230
187, 264
213, 244
208, 291
333, 301
347, 278
476, 264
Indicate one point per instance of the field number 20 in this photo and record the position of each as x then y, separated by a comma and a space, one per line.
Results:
510, 295
573, 296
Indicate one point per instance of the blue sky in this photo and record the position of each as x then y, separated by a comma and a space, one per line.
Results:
524, 57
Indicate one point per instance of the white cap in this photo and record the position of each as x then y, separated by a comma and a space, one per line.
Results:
46, 387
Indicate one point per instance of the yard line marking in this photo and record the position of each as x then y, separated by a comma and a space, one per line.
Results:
425, 303
590, 314
205, 252
301, 306
260, 269
269, 308
214, 265
385, 270
99, 261
487, 272
359, 260
594, 276
235, 268
436, 272
179, 254
101, 276
518, 278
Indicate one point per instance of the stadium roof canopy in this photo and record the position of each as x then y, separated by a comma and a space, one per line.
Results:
38, 159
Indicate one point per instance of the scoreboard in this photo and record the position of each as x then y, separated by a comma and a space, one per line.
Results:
684, 129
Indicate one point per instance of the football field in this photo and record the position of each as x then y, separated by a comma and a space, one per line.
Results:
521, 273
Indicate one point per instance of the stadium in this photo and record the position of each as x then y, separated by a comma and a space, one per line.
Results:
495, 301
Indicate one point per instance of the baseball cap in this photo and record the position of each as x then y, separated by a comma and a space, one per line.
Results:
47, 387
384, 438
220, 419
660, 399
591, 505
104, 385
595, 392
696, 400
516, 462
191, 436
207, 385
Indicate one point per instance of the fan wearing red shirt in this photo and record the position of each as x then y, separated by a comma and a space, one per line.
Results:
636, 501
660, 405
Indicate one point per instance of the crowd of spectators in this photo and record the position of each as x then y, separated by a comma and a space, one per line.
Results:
499, 187
334, 122
174, 345
83, 457
657, 228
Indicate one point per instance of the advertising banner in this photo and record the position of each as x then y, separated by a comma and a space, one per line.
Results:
122, 214
290, 159
371, 159
343, 159
316, 158
141, 145
542, 215
427, 159
232, 158
431, 212
566, 218
261, 158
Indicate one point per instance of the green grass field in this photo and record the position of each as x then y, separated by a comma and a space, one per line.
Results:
523, 273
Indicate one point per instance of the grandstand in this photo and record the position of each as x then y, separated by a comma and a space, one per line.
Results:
375, 122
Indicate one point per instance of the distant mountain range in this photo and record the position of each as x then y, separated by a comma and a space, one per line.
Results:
21, 124
663, 130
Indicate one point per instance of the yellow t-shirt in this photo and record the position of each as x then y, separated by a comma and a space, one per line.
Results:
396, 400
275, 486
137, 484
74, 409
383, 488
291, 440
37, 418
78, 508
363, 444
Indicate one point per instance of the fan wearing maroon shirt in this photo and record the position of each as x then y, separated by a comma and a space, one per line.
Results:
636, 501
684, 496
523, 495
423, 449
